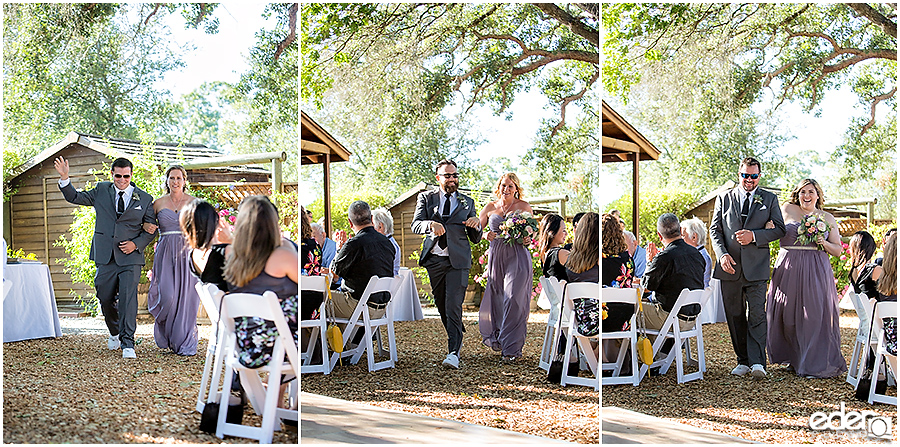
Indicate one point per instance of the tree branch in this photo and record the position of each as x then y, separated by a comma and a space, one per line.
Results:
569, 99
577, 26
152, 13
875, 102
872, 15
292, 35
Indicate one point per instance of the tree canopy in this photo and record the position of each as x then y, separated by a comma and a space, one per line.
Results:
400, 79
709, 81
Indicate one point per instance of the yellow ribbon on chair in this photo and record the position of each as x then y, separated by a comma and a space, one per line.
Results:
333, 334
644, 347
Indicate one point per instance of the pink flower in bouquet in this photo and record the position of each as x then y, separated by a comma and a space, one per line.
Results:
843, 257
821, 226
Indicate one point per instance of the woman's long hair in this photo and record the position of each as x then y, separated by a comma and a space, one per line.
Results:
862, 247
550, 226
256, 236
198, 220
887, 284
586, 246
613, 236
305, 226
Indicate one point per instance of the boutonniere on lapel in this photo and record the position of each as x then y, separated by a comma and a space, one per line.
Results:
135, 197
757, 199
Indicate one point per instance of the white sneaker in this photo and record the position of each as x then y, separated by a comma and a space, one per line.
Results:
757, 371
128, 353
452, 361
740, 370
113, 343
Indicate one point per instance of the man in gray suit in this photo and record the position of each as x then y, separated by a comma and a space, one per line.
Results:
117, 247
447, 218
741, 243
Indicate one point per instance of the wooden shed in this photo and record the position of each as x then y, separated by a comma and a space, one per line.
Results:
36, 214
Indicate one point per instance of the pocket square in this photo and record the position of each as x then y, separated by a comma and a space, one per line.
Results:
137, 207
762, 207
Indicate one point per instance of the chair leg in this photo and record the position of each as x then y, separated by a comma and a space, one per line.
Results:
204, 382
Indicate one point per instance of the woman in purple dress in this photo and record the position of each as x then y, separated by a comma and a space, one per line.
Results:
173, 301
503, 316
801, 307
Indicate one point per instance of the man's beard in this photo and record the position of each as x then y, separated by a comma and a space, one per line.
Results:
450, 188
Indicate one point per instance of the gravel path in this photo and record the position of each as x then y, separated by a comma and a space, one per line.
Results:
72, 389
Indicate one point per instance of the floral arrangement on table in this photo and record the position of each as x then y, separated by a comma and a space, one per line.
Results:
519, 228
811, 227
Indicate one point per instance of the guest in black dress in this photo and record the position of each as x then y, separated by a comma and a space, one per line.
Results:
618, 271
552, 234
863, 274
209, 238
311, 258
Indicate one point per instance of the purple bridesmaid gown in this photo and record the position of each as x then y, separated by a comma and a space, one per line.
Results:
173, 300
802, 310
503, 315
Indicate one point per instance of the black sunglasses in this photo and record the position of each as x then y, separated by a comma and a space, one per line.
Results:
453, 175
125, 176
753, 176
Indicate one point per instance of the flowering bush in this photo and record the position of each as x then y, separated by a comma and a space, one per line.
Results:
841, 267
811, 227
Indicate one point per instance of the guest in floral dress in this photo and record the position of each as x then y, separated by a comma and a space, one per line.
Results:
618, 271
260, 260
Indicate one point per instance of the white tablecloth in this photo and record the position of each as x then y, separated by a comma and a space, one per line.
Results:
405, 302
29, 311
714, 310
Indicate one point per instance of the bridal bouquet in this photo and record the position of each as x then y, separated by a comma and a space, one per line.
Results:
520, 228
811, 226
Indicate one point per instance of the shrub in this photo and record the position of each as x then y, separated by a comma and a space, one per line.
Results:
653, 203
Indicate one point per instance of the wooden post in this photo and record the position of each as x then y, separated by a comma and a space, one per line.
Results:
562, 208
870, 215
276, 176
46, 228
635, 203
326, 169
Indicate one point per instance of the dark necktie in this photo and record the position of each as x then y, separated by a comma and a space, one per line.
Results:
445, 213
745, 209
120, 205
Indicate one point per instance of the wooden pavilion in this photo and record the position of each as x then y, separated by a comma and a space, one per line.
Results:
318, 146
623, 143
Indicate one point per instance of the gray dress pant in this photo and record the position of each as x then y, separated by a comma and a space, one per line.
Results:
449, 288
119, 283
745, 311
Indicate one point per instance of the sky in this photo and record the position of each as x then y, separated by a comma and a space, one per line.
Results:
217, 57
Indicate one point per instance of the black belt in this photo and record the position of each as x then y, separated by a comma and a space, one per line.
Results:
686, 317
376, 306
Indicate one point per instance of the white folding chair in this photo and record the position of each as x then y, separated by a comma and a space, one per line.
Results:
671, 329
285, 361
573, 291
863, 308
553, 292
210, 295
884, 309
317, 327
628, 338
360, 320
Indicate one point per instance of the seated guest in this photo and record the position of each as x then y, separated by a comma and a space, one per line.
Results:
311, 254
366, 254
384, 224
209, 239
676, 267
260, 260
863, 274
552, 233
328, 246
694, 233
637, 253
577, 217
618, 271
887, 290
583, 265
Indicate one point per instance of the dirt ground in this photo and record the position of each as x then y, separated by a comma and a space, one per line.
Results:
483, 391
73, 390
773, 410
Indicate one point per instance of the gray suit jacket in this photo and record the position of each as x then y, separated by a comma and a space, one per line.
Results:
109, 231
752, 259
457, 246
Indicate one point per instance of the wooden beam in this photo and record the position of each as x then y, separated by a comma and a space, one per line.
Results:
312, 146
231, 160
326, 170
621, 145
635, 202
